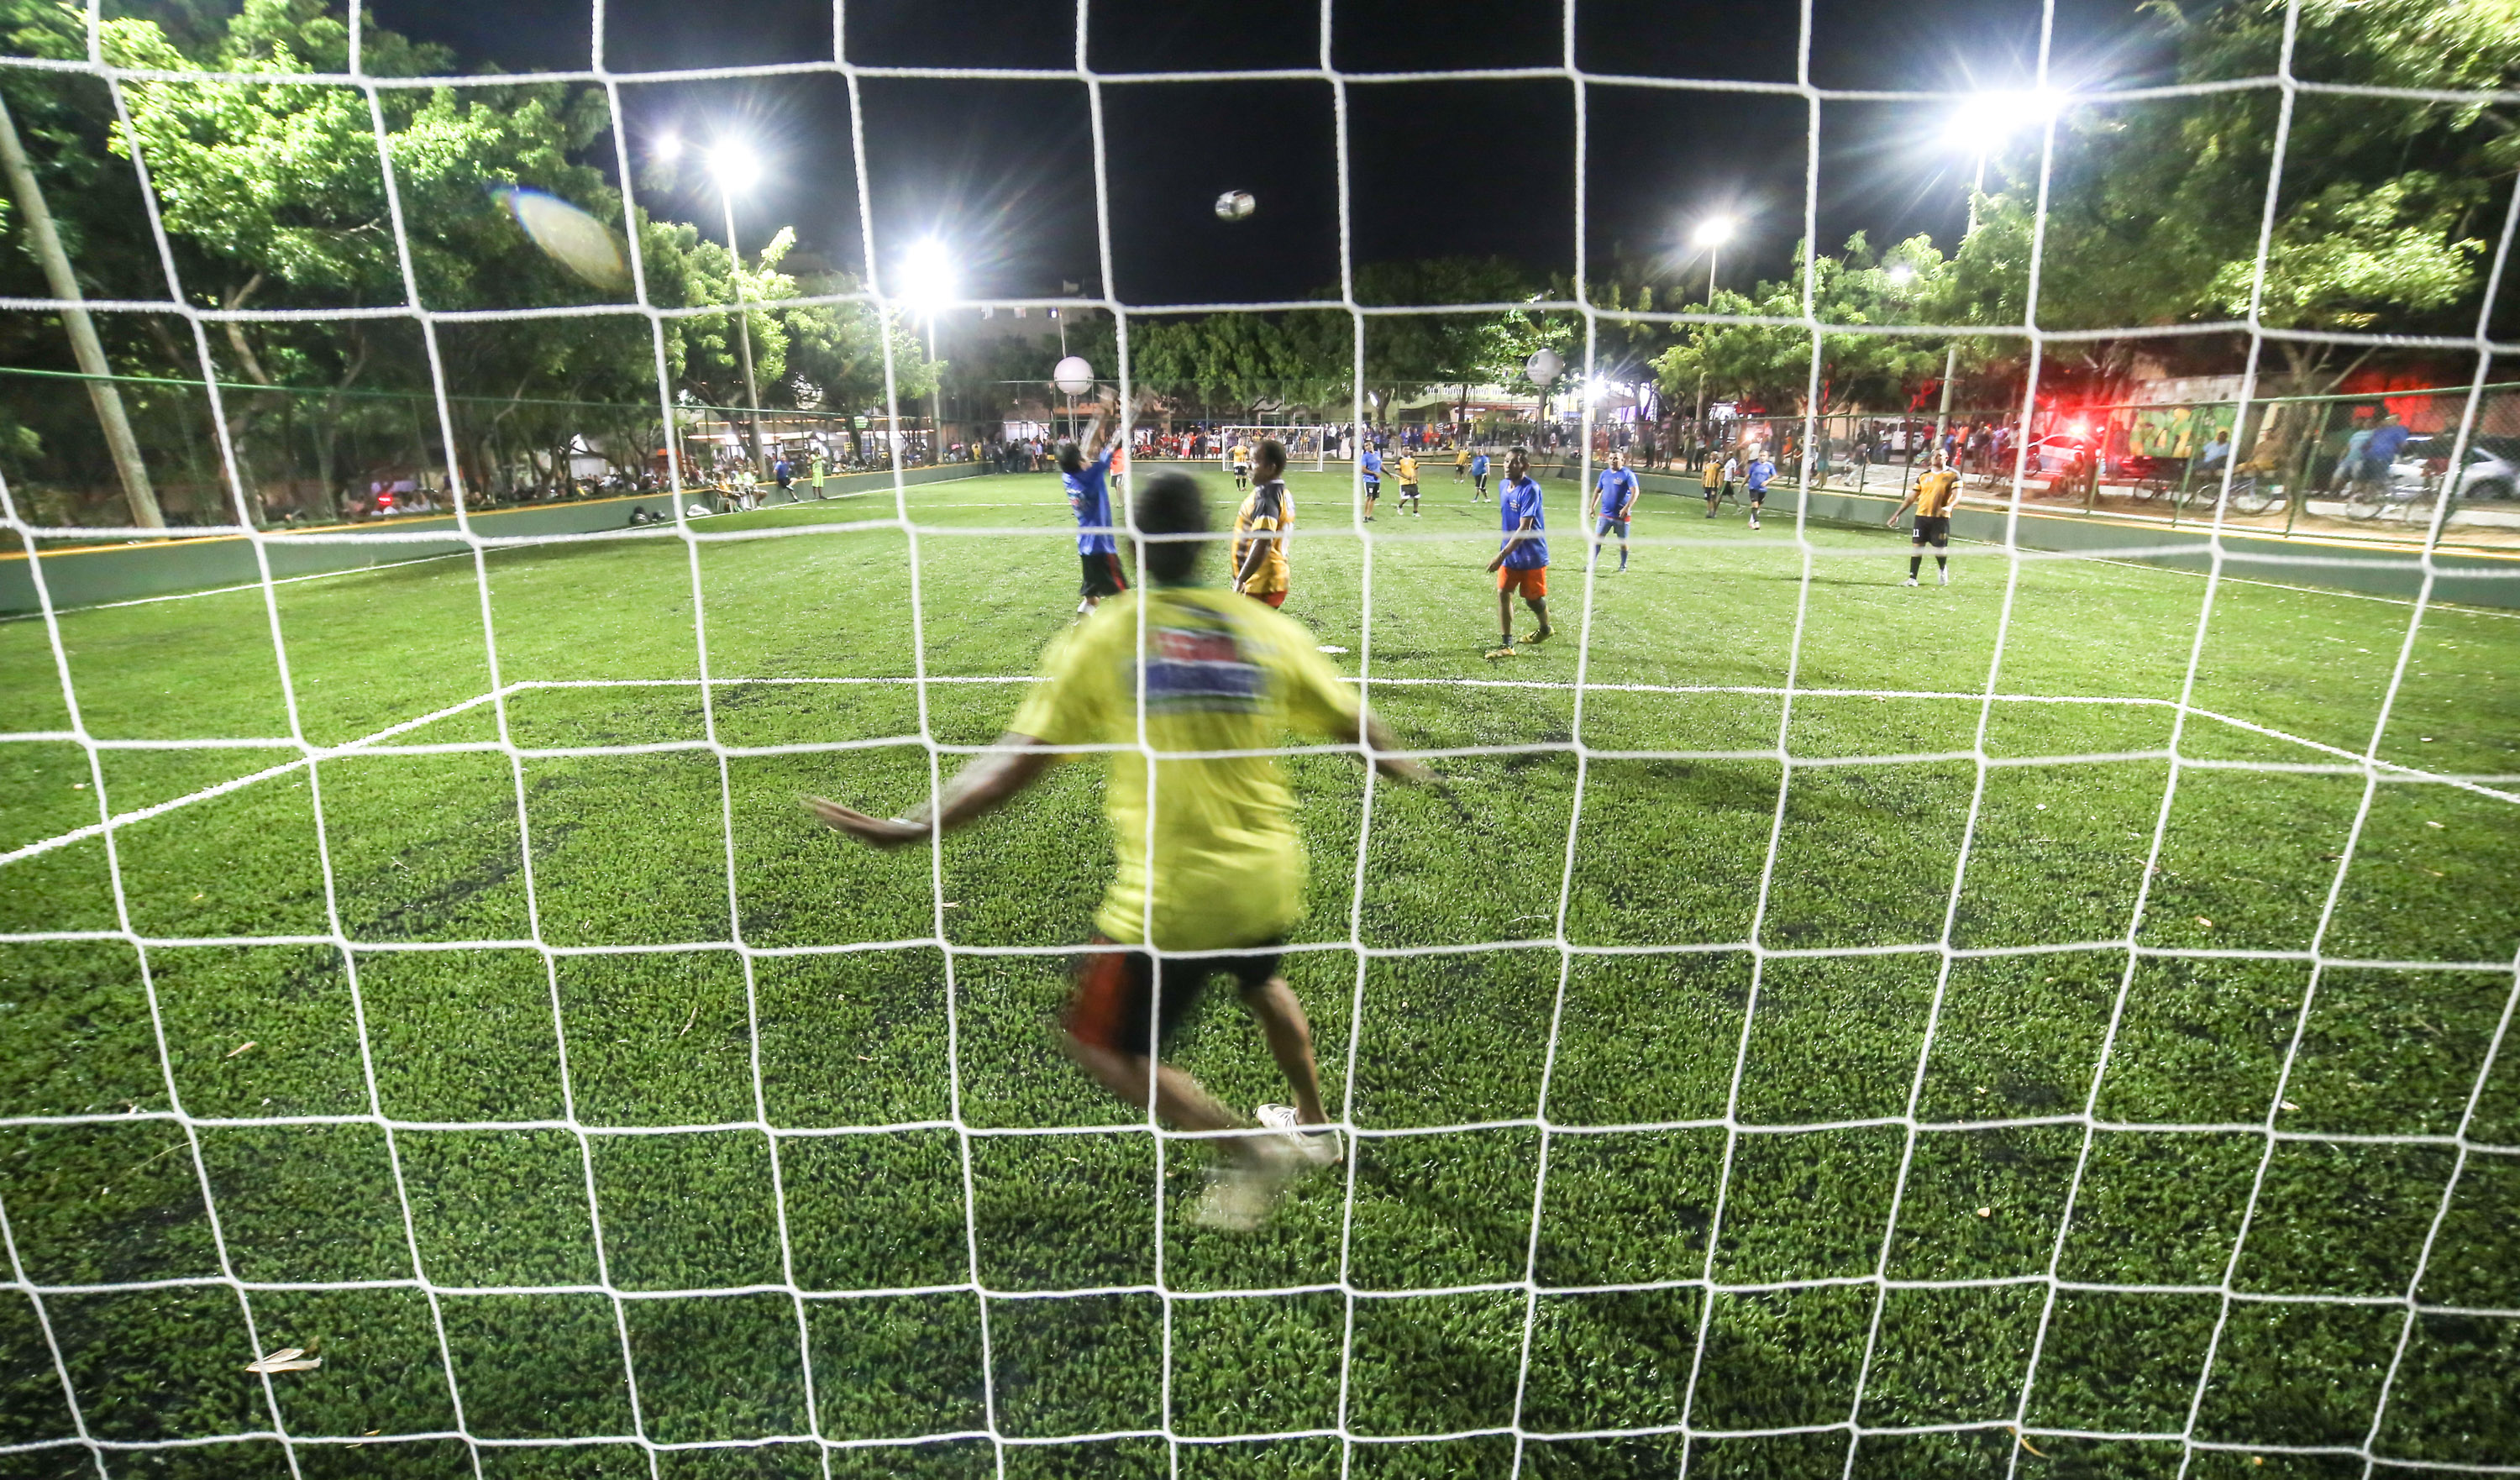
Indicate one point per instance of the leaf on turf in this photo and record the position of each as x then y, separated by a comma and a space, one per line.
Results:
287, 1359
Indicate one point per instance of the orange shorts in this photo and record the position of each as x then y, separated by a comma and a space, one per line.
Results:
1533, 583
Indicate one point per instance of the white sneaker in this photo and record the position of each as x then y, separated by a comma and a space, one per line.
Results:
1909, 581
1241, 1194
1754, 521
1942, 577
1321, 1147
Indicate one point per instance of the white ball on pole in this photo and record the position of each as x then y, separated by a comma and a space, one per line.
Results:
1072, 375
1543, 367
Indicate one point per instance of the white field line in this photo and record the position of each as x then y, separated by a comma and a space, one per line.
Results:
2348, 762
143, 814
185, 596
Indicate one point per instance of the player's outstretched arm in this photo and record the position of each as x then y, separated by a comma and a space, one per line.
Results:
977, 790
1379, 739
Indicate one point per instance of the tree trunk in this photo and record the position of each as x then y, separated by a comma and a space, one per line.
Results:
85, 347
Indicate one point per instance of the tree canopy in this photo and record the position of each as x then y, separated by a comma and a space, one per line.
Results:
273, 193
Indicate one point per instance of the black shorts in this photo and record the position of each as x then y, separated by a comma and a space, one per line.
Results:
1373, 486
1408, 490
1481, 480
1116, 998
1103, 575
1933, 529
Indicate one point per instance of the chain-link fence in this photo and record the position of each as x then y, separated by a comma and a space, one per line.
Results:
312, 457
2364, 465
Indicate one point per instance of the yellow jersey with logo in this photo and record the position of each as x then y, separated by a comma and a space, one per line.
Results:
1268, 508
1209, 855
1408, 470
1936, 493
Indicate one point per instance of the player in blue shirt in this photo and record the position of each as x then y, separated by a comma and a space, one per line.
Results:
1086, 472
1479, 478
1755, 480
1522, 555
1614, 500
1371, 462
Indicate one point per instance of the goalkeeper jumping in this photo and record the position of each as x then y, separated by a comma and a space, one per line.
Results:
1224, 676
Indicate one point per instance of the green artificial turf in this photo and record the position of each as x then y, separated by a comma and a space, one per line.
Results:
621, 1286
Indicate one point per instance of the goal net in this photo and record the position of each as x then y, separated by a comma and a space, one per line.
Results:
2056, 1020
1307, 447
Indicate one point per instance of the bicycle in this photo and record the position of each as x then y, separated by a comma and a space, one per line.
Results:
2368, 501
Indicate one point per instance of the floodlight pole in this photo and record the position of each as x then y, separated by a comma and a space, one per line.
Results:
1951, 352
935, 398
743, 334
1697, 421
85, 347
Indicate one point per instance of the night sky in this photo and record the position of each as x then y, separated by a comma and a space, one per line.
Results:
1002, 169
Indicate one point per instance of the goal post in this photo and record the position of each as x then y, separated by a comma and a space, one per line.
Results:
1308, 448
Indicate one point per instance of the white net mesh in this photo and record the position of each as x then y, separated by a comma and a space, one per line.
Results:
1709, 1312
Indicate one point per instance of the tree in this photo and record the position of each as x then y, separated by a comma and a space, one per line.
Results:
2154, 209
1409, 354
1770, 364
274, 194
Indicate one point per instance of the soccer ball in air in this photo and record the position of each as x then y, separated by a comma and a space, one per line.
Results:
1235, 204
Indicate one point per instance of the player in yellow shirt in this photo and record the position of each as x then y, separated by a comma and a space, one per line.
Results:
1241, 461
1934, 495
1409, 484
1260, 528
1222, 867
1461, 462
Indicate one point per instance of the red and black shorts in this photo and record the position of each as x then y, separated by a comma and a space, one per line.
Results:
1123, 1001
1103, 575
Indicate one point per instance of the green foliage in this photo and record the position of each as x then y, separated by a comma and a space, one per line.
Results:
1770, 364
281, 192
2155, 210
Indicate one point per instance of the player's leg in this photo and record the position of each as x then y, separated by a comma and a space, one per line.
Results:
1504, 611
1273, 1005
1111, 1028
1758, 500
1623, 543
1942, 553
1539, 605
1915, 553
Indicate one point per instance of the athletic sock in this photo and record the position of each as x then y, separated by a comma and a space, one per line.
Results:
1942, 563
1916, 562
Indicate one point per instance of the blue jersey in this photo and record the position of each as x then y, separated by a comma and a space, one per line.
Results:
1618, 490
1372, 464
1480, 466
1515, 502
1761, 470
1088, 493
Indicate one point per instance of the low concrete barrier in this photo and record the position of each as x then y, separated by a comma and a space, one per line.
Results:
91, 575
2473, 579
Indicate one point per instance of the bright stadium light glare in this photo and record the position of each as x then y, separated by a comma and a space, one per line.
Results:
1715, 230
1981, 122
668, 147
927, 274
736, 167
1902, 274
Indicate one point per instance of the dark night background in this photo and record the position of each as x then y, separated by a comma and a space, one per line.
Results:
1002, 169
